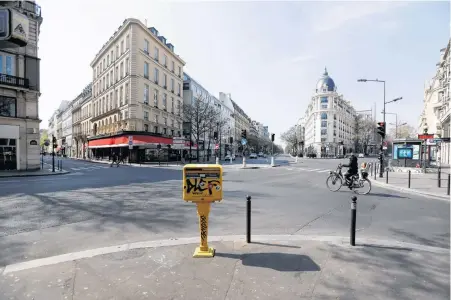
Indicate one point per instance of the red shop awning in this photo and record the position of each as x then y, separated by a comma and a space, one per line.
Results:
122, 141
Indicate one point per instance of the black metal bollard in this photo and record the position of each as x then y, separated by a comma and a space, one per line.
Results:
248, 219
410, 176
353, 219
61, 165
375, 171
449, 182
439, 178
386, 176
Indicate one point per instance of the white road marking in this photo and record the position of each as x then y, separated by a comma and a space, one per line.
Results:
335, 240
324, 171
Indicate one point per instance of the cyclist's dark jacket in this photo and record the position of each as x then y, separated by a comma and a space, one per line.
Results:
353, 165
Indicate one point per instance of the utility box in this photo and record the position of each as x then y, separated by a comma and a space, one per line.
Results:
202, 183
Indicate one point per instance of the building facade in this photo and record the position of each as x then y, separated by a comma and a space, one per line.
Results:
137, 93
19, 95
435, 117
329, 121
242, 122
81, 116
192, 92
66, 120
227, 116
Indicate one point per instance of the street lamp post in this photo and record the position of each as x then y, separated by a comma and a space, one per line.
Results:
381, 156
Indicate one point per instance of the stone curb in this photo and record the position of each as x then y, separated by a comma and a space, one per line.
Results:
334, 240
410, 191
36, 175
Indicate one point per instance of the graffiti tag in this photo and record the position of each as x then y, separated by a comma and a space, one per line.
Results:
197, 186
203, 228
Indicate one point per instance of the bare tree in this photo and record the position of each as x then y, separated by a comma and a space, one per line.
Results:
199, 114
363, 133
290, 137
404, 131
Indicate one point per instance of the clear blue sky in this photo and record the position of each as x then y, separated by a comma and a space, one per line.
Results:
268, 55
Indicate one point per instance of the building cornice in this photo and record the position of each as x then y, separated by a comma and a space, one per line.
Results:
120, 31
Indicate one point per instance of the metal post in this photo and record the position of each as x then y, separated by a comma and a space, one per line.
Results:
447, 192
386, 176
53, 157
375, 171
61, 165
381, 171
353, 219
439, 179
410, 176
248, 219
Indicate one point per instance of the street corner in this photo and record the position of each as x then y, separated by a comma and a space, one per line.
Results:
417, 192
264, 269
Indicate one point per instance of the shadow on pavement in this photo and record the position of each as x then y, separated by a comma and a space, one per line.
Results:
385, 247
283, 262
401, 275
383, 195
437, 240
275, 245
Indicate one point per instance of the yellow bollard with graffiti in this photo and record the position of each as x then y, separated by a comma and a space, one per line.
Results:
202, 184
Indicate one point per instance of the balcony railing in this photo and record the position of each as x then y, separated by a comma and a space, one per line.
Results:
29, 6
14, 81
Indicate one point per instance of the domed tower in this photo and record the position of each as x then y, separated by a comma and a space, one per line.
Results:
325, 84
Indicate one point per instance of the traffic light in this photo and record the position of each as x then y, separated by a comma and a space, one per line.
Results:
243, 133
272, 137
215, 135
55, 145
381, 129
230, 140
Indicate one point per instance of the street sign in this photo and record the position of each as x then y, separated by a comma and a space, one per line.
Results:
425, 136
202, 183
243, 141
130, 140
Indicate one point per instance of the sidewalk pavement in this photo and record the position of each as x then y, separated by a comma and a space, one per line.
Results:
47, 171
271, 269
420, 183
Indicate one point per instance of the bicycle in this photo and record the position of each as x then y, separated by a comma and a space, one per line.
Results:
336, 179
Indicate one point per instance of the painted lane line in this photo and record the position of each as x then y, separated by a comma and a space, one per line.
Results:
335, 240
324, 171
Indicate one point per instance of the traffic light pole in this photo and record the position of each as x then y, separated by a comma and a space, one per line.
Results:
53, 154
381, 155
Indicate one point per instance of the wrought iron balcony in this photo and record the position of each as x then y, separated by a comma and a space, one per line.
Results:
14, 81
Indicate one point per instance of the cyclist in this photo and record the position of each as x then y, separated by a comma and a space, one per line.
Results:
353, 169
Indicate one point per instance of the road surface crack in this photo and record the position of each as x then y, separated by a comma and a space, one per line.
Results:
73, 280
318, 217
231, 279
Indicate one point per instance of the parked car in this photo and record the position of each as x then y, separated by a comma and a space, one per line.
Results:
260, 154
228, 157
253, 155
361, 155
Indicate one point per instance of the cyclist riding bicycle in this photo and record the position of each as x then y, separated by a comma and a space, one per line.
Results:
353, 168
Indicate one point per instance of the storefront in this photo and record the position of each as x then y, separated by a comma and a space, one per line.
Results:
9, 136
137, 147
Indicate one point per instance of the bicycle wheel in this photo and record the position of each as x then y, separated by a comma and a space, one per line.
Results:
360, 189
334, 182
